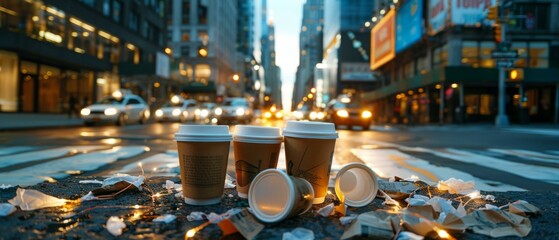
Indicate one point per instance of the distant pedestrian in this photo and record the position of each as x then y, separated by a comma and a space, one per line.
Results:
72, 101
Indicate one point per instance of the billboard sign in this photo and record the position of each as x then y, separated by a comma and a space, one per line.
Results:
382, 41
471, 12
409, 24
438, 12
357, 72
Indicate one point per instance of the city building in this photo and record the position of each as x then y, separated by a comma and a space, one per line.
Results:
310, 49
345, 49
203, 39
272, 73
443, 71
54, 51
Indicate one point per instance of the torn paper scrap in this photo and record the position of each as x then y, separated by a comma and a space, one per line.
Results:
195, 216
115, 225
397, 190
137, 181
299, 234
88, 197
229, 182
376, 225
523, 208
409, 236
457, 186
326, 210
167, 218
347, 219
90, 182
245, 223
6, 209
499, 223
169, 185
5, 186
28, 199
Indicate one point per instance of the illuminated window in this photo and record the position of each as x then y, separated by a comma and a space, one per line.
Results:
470, 53
202, 73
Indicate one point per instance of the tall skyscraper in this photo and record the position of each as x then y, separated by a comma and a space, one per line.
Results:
272, 72
310, 49
203, 39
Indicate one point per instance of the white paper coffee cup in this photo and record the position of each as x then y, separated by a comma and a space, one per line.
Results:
357, 183
203, 155
309, 149
275, 196
255, 149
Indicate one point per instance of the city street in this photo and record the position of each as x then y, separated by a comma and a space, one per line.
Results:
512, 159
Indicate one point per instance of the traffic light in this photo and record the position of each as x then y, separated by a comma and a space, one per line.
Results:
493, 13
497, 32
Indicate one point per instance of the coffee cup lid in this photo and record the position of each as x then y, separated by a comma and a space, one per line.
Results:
203, 133
257, 134
358, 183
309, 129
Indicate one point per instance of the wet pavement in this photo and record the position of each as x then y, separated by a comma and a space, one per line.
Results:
87, 220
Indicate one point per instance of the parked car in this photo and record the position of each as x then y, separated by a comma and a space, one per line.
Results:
234, 110
120, 108
177, 109
348, 112
205, 112
273, 113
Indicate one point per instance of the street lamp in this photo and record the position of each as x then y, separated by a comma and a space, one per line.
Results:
236, 77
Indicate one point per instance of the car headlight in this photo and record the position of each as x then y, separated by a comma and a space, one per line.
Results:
320, 115
159, 113
85, 111
204, 113
240, 112
176, 112
110, 111
342, 113
267, 114
197, 112
279, 114
218, 111
366, 114
312, 115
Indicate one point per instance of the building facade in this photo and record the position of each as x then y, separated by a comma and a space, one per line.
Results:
445, 72
52, 51
310, 49
345, 48
203, 39
272, 73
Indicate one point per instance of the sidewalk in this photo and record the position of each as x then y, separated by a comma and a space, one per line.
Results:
24, 121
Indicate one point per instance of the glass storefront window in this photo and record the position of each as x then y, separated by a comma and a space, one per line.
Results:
8, 81
422, 65
440, 56
522, 49
408, 70
470, 53
202, 73
50, 100
485, 54
539, 54
81, 37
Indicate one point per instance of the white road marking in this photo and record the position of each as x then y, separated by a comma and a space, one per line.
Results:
161, 164
389, 163
60, 168
547, 132
529, 155
15, 149
44, 154
547, 174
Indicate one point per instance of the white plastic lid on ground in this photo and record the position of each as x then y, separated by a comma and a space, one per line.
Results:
309, 129
203, 133
257, 134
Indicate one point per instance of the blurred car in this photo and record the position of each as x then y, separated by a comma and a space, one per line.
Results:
348, 112
302, 112
177, 109
273, 113
120, 108
204, 112
317, 114
233, 110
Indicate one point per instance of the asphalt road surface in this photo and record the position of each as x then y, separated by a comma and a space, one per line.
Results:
513, 159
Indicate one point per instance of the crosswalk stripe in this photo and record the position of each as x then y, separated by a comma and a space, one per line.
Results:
60, 168
529, 155
19, 158
161, 164
382, 161
15, 149
541, 173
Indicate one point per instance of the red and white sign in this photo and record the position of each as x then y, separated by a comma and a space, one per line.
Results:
438, 14
382, 41
471, 12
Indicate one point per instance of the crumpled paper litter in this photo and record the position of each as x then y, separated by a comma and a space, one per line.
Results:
299, 234
28, 199
115, 226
